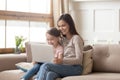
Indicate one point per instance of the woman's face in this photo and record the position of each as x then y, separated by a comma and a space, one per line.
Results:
63, 27
52, 40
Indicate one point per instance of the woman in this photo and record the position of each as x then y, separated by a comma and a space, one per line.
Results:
52, 36
71, 64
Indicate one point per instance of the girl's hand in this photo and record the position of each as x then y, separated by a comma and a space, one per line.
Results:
56, 60
33, 63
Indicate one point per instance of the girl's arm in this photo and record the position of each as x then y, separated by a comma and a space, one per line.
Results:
59, 58
33, 62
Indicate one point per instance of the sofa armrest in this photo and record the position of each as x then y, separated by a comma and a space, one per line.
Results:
8, 61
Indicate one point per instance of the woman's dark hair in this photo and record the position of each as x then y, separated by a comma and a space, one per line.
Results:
68, 19
54, 32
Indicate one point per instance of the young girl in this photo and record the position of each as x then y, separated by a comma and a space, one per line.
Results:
53, 37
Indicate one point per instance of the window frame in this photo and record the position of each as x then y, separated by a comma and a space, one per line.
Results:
26, 16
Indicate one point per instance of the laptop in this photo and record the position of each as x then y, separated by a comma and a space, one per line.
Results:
42, 52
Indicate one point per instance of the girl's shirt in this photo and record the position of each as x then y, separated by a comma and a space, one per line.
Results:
58, 51
73, 50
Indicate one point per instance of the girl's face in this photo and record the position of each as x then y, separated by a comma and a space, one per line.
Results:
52, 40
63, 27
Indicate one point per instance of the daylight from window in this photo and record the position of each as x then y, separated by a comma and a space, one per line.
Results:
35, 6
31, 30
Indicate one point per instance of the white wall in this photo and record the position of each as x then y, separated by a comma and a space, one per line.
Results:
97, 21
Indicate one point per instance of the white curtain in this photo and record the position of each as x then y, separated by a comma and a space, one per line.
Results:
59, 7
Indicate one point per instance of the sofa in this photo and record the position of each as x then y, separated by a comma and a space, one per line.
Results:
106, 63
103, 63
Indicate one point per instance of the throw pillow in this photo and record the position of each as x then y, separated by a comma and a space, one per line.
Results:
24, 66
87, 61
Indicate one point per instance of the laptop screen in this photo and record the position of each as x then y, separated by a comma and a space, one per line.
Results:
42, 52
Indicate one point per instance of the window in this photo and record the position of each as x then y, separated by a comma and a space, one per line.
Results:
25, 18
37, 31
35, 6
2, 4
38, 5
2, 33
15, 28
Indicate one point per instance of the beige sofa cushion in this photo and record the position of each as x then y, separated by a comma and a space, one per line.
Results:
106, 58
24, 66
8, 61
11, 75
95, 76
28, 51
87, 61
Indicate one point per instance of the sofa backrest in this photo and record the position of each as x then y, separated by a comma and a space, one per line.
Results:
28, 51
106, 57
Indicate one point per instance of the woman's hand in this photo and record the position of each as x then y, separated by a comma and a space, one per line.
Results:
57, 60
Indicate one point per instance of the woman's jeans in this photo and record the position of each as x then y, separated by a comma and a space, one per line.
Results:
49, 71
30, 73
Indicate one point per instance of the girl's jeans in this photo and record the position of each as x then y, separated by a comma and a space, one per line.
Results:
30, 73
49, 71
